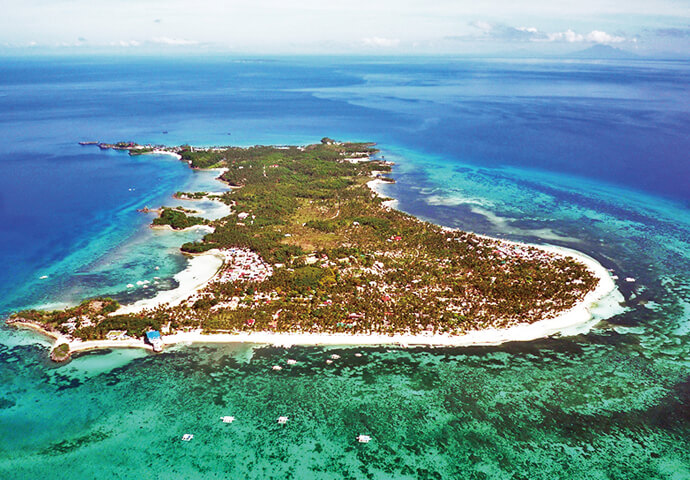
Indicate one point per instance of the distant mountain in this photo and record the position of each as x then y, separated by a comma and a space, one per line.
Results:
603, 52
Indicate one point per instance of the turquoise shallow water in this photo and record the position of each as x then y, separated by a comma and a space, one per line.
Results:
545, 410
473, 150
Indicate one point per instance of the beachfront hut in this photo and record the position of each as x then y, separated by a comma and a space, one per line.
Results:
153, 338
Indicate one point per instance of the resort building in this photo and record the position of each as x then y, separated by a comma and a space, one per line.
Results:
153, 337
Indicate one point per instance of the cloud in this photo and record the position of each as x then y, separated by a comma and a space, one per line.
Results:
507, 33
497, 31
595, 36
483, 26
173, 41
126, 43
380, 42
567, 36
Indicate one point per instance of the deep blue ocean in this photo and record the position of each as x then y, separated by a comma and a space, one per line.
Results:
589, 155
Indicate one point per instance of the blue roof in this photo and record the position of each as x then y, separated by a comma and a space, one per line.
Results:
153, 334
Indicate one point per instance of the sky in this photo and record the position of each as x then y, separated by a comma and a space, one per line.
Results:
360, 27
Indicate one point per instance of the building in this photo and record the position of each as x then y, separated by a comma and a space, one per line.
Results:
153, 337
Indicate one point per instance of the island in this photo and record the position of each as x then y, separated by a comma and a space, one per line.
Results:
312, 253
177, 218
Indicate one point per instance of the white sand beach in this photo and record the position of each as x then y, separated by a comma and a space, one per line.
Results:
199, 272
164, 152
602, 302
375, 186
204, 228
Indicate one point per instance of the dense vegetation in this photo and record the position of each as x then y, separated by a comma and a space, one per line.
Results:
190, 195
201, 158
344, 262
178, 219
60, 353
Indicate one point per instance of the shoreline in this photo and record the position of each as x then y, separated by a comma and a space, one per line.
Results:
204, 267
163, 152
578, 319
206, 228
200, 270
374, 185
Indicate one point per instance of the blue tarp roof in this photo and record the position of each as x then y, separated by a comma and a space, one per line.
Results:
153, 334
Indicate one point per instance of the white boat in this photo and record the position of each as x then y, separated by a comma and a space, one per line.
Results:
335, 356
227, 419
282, 420
277, 367
363, 438
291, 361
187, 437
